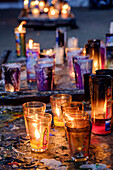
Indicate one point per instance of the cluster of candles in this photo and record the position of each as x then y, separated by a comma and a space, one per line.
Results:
53, 10
81, 61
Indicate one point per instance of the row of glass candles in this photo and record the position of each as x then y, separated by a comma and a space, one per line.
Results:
69, 115
53, 11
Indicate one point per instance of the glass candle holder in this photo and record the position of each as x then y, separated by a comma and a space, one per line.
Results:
70, 53
39, 130
81, 67
20, 40
35, 12
47, 53
32, 54
107, 72
71, 107
44, 69
96, 49
101, 104
33, 108
11, 73
78, 131
56, 101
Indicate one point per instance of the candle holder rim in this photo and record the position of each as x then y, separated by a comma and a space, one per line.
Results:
12, 65
60, 96
33, 106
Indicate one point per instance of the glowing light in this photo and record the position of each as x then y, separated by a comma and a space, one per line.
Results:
32, 4
30, 43
20, 27
36, 2
46, 10
37, 135
26, 3
53, 12
65, 6
64, 11
41, 4
57, 111
95, 64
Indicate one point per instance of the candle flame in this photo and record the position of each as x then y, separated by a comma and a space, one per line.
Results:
49, 51
65, 6
46, 9
84, 51
95, 64
57, 111
105, 107
41, 4
21, 25
26, 2
37, 135
64, 11
53, 12
36, 2
30, 43
32, 3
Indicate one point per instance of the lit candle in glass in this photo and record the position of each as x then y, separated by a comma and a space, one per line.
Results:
66, 7
48, 53
39, 129
53, 13
36, 2
56, 101
32, 4
46, 9
70, 52
41, 6
64, 13
26, 2
35, 12
32, 53
33, 108
101, 102
20, 40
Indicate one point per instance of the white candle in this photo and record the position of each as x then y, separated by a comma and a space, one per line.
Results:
59, 55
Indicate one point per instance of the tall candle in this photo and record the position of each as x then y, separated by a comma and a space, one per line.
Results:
32, 53
20, 40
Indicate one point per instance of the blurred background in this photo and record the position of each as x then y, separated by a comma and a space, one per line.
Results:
92, 21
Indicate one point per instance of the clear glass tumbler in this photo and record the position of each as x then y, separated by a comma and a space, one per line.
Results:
33, 108
56, 101
78, 131
11, 73
44, 69
39, 130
